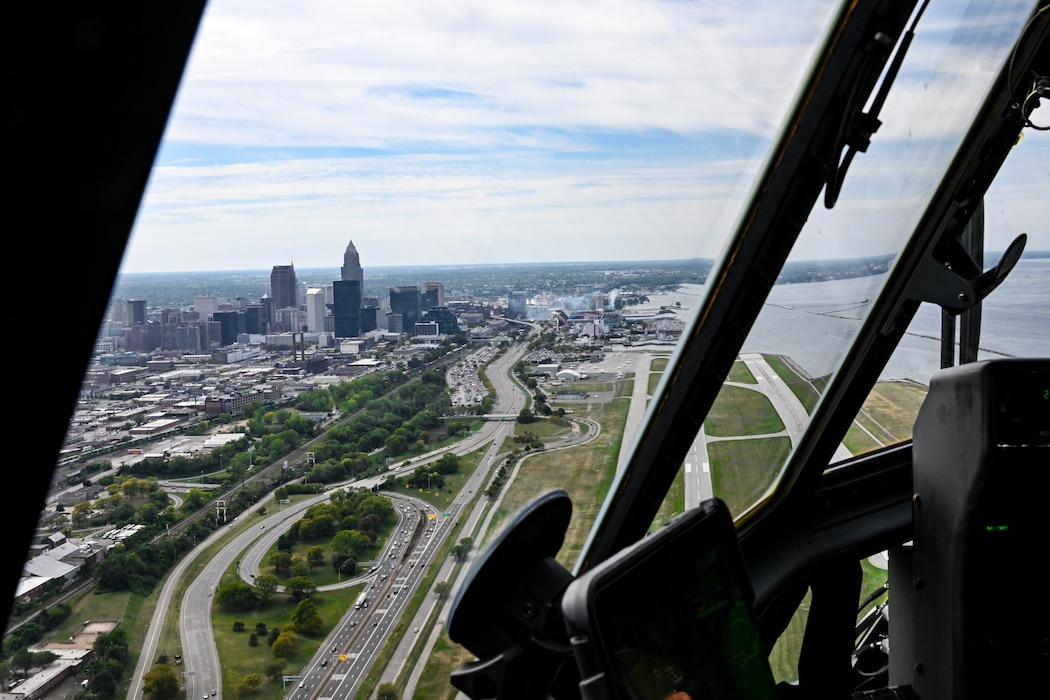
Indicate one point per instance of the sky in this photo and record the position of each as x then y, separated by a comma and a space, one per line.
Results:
493, 132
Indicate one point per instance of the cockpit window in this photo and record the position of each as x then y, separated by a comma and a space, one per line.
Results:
845, 255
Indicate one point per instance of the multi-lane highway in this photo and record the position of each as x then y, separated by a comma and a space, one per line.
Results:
362, 632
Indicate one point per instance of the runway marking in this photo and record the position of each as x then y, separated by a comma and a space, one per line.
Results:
688, 468
705, 468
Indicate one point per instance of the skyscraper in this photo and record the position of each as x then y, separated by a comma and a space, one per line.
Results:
351, 269
315, 308
433, 295
346, 309
284, 288
136, 312
405, 301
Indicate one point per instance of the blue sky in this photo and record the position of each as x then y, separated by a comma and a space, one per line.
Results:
479, 132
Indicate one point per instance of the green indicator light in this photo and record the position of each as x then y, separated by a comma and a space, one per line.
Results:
996, 528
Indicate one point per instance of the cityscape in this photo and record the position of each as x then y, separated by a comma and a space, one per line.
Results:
222, 410
244, 419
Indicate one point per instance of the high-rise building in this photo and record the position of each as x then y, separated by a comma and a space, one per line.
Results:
205, 305
136, 312
405, 301
433, 295
346, 308
284, 288
256, 319
351, 269
517, 304
315, 308
231, 324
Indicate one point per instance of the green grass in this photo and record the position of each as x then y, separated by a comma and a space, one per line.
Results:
654, 381
741, 374
800, 386
240, 659
445, 657
584, 472
740, 411
742, 470
542, 429
453, 482
659, 363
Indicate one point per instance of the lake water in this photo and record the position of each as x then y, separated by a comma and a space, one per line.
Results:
815, 323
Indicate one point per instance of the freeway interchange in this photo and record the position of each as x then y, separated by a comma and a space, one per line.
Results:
361, 633
352, 647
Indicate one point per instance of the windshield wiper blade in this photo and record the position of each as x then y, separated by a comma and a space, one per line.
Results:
857, 126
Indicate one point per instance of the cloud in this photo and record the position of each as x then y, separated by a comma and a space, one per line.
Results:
468, 131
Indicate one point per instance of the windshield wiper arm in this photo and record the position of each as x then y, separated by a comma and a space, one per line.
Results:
857, 126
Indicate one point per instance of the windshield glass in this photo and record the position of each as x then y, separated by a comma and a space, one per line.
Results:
844, 255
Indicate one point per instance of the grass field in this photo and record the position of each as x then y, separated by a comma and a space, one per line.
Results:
800, 387
740, 411
742, 470
584, 472
741, 374
542, 429
240, 659
445, 658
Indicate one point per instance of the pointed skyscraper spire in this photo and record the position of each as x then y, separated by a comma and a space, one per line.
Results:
351, 269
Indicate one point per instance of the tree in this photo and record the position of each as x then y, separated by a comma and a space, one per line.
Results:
285, 646
265, 586
300, 587
388, 691
315, 555
249, 684
461, 550
442, 589
350, 542
103, 683
22, 659
282, 562
274, 669
237, 597
305, 618
526, 416
161, 683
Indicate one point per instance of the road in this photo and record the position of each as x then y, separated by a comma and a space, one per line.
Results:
202, 671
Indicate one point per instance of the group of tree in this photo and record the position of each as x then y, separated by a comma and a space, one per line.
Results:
397, 422
428, 476
496, 485
138, 563
110, 657
33, 630
130, 499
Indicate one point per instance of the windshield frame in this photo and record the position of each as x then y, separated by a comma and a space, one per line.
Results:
708, 349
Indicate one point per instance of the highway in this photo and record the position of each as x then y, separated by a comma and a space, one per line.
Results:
360, 634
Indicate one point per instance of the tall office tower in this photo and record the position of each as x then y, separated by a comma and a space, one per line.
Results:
433, 295
517, 304
315, 309
284, 288
118, 312
256, 319
231, 324
205, 305
351, 269
447, 322
346, 308
405, 301
137, 312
